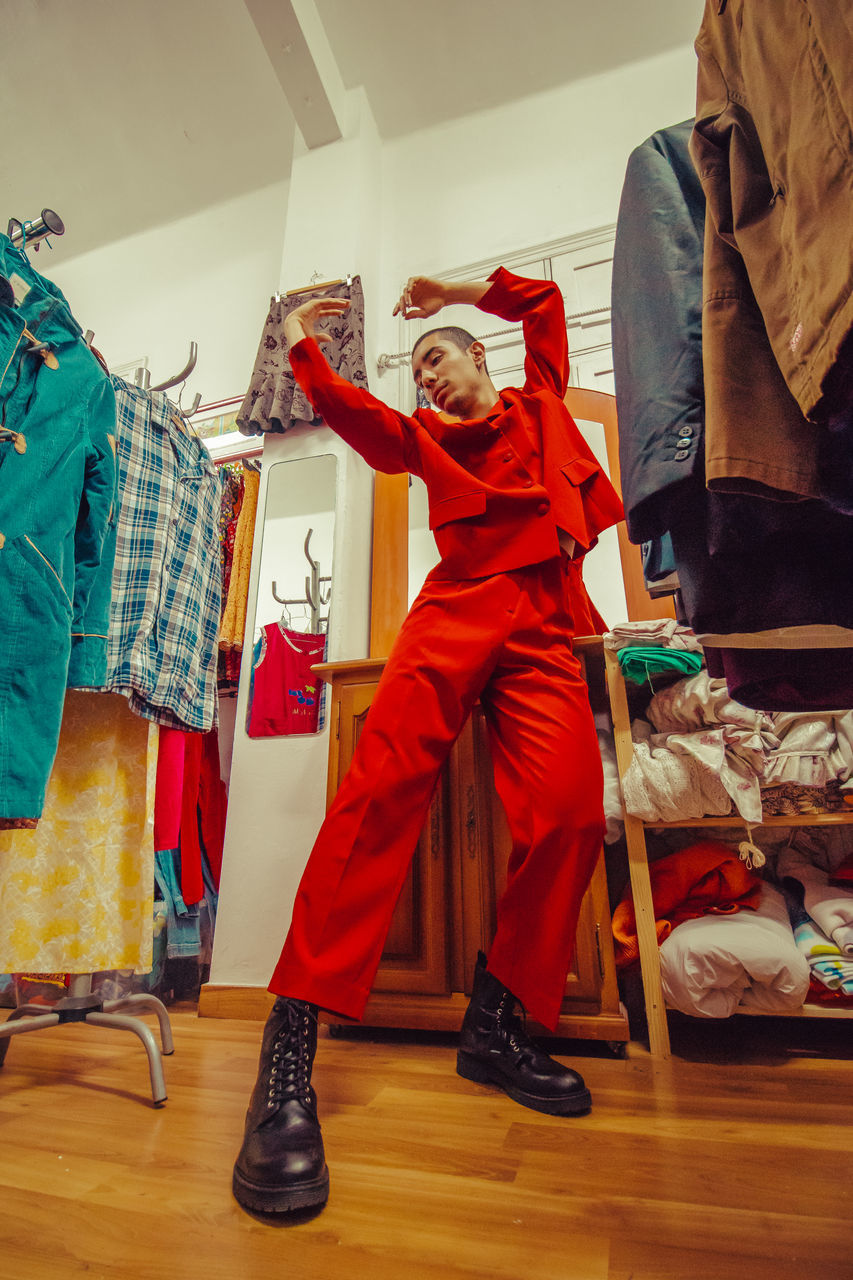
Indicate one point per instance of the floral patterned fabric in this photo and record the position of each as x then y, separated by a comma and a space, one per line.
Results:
228, 671
274, 400
76, 895
234, 614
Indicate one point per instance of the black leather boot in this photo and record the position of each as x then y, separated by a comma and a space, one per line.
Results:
495, 1049
281, 1165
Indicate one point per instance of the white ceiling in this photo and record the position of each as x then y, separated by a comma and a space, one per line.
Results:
424, 61
123, 115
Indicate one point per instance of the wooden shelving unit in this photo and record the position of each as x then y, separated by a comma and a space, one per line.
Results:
638, 869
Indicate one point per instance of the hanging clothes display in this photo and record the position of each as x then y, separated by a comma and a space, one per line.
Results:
657, 334
57, 458
274, 400
190, 806
166, 585
774, 152
76, 895
754, 574
228, 666
234, 615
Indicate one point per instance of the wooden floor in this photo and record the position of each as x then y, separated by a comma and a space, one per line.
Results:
732, 1160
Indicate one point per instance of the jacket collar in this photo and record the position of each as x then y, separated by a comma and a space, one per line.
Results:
448, 431
44, 309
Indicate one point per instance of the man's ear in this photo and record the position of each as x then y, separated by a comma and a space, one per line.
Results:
477, 352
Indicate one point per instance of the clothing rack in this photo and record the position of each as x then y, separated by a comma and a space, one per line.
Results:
83, 1005
142, 379
26, 235
317, 595
386, 361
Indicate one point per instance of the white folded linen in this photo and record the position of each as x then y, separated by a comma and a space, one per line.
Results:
663, 632
711, 965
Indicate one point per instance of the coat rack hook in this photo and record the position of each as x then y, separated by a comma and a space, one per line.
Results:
183, 375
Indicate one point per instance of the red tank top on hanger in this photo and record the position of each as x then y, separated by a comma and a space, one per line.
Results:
286, 693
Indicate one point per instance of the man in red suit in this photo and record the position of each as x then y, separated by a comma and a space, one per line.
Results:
516, 500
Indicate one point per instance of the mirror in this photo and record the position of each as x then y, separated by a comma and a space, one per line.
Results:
295, 592
423, 553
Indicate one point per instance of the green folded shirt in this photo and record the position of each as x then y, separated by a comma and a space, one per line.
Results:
640, 662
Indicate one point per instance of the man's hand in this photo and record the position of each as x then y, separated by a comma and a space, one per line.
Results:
421, 297
300, 323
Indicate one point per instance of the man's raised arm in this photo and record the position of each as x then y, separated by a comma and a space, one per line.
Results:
538, 304
382, 436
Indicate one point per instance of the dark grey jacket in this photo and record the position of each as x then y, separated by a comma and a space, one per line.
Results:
657, 333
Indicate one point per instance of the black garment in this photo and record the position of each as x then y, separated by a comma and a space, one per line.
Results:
785, 679
745, 563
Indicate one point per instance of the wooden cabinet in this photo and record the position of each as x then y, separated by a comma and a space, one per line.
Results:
446, 910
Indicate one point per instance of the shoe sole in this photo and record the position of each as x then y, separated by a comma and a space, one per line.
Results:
287, 1199
571, 1105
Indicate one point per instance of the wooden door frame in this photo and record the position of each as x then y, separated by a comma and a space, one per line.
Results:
390, 563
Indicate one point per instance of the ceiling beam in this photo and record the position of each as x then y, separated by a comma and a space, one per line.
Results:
295, 42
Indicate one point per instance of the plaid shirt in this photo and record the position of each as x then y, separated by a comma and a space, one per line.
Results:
164, 625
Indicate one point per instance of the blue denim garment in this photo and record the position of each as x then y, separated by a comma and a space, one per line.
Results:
57, 499
183, 925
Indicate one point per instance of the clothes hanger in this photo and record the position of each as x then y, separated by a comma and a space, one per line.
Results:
313, 288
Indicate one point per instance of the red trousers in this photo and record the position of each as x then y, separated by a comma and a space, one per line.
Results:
506, 640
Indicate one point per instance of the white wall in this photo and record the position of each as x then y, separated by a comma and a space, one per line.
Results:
206, 278
523, 174
277, 795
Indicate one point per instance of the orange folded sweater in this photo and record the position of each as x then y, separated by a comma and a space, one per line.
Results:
705, 877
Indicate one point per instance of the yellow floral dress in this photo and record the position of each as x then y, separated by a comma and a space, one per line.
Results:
76, 894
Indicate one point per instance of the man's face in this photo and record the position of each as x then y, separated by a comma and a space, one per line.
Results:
449, 377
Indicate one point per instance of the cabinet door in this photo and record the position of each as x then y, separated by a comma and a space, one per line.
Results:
483, 848
415, 955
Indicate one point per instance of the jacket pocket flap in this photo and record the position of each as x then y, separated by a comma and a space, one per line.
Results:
579, 470
459, 507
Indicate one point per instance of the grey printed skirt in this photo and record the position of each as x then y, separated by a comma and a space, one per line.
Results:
275, 400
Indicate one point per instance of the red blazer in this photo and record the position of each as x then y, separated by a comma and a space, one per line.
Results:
500, 486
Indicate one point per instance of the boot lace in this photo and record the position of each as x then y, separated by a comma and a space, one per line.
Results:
290, 1070
512, 1029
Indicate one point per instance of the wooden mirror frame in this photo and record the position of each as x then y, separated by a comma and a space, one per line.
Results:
390, 566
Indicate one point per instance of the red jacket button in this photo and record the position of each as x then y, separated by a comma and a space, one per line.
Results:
543, 508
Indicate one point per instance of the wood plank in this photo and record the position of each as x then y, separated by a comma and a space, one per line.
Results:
728, 1160
599, 406
390, 577
638, 869
839, 819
